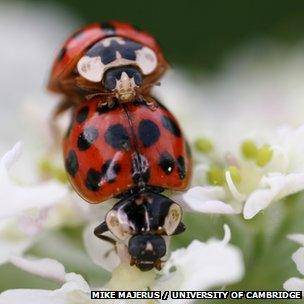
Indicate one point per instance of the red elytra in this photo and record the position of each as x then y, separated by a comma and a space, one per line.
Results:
108, 152
78, 43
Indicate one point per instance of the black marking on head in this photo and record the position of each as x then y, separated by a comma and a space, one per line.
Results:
167, 163
148, 132
82, 114
61, 54
93, 180
106, 109
108, 28
113, 75
117, 137
171, 125
86, 138
146, 249
110, 170
107, 54
140, 169
71, 163
181, 167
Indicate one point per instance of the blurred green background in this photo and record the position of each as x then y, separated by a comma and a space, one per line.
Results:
198, 34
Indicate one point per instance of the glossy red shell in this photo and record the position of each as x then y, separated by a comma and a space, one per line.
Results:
100, 157
76, 45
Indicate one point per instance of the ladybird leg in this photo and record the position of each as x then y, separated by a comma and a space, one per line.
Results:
179, 229
102, 228
102, 103
151, 103
108, 102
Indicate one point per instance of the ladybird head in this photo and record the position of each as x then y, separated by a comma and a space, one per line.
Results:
119, 65
123, 81
146, 251
142, 221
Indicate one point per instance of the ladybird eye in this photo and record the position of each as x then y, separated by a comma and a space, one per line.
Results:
133, 72
110, 81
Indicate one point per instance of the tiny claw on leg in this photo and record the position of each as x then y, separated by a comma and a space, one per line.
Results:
110, 103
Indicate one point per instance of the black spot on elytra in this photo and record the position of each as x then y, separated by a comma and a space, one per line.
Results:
171, 125
117, 137
110, 170
61, 54
108, 28
108, 173
82, 114
167, 163
102, 109
181, 167
93, 180
148, 132
86, 138
71, 163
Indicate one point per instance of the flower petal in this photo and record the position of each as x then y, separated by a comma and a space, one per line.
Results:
70, 293
74, 290
15, 198
298, 258
294, 284
221, 263
101, 252
46, 268
297, 237
13, 241
276, 186
205, 200
31, 296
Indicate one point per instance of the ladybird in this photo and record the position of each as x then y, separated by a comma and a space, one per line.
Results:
129, 152
112, 59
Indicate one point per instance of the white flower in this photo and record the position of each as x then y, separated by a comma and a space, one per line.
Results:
22, 207
218, 262
251, 178
297, 284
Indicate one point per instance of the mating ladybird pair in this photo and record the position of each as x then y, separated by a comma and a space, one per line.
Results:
122, 143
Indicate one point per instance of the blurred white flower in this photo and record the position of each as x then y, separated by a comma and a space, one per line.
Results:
220, 264
249, 179
298, 257
23, 208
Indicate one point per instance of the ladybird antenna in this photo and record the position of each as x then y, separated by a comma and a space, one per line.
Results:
149, 85
90, 96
